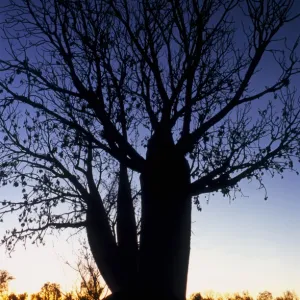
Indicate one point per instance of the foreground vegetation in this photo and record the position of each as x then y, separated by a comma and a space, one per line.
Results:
91, 288
91, 284
52, 291
266, 295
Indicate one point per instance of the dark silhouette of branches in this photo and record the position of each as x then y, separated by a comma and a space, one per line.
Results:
91, 286
116, 115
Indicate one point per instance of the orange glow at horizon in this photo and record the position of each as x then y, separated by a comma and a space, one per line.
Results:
210, 270
248, 245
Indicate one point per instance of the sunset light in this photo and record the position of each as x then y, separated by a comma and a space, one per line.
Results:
246, 245
149, 150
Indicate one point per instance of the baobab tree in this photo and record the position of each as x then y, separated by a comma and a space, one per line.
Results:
117, 115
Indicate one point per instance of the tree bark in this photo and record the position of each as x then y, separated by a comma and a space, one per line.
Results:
103, 245
126, 230
165, 228
166, 220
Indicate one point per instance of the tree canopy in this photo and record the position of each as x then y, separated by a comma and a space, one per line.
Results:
109, 107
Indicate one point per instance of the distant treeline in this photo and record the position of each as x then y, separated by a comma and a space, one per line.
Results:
52, 291
266, 295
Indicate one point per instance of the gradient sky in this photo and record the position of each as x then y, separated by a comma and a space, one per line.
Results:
247, 244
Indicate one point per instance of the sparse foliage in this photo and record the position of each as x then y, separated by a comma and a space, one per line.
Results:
50, 291
91, 287
5, 278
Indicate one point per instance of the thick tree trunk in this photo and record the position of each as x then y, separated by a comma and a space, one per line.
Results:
166, 220
166, 226
126, 230
103, 245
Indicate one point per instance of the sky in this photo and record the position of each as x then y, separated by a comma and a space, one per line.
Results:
250, 244
246, 244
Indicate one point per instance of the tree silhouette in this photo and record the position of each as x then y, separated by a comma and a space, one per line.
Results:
196, 296
245, 296
36, 296
13, 296
289, 295
69, 296
91, 287
112, 106
5, 278
265, 296
50, 291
